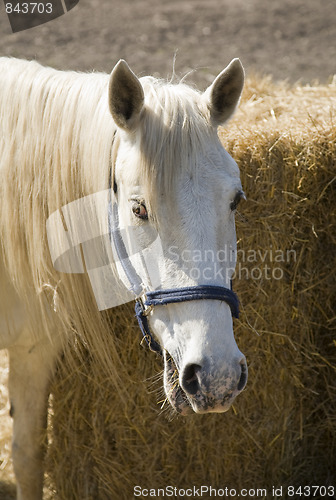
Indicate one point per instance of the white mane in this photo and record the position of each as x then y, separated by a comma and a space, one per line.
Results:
58, 132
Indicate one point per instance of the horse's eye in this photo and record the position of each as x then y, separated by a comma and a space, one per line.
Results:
139, 209
234, 204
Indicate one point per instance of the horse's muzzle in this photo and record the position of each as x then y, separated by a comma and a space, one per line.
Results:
203, 388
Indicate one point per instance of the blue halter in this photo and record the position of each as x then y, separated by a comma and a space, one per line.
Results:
146, 301
145, 304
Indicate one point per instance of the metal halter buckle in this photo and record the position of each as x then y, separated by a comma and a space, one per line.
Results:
146, 309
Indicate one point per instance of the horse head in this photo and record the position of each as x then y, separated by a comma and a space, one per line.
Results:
173, 177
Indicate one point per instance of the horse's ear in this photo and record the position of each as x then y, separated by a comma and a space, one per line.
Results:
224, 93
126, 96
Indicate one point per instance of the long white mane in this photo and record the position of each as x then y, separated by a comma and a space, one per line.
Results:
58, 134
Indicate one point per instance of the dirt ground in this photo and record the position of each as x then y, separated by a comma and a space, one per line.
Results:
289, 39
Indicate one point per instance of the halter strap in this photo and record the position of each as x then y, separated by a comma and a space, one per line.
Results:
115, 237
171, 295
145, 304
146, 301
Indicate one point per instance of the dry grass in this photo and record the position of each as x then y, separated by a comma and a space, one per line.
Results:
282, 428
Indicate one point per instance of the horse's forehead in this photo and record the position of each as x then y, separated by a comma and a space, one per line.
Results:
213, 168
204, 168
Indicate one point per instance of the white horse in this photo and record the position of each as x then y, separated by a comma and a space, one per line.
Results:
66, 135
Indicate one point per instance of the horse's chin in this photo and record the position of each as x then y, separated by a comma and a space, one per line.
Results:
175, 395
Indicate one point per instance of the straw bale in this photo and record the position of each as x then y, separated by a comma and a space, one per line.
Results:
281, 430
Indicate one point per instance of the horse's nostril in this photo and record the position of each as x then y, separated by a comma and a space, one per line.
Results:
243, 376
190, 382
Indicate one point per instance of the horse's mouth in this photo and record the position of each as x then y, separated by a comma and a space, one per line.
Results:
174, 393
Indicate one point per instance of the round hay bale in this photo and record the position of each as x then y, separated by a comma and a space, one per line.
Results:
281, 430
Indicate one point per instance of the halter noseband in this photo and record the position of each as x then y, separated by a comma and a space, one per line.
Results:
146, 300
